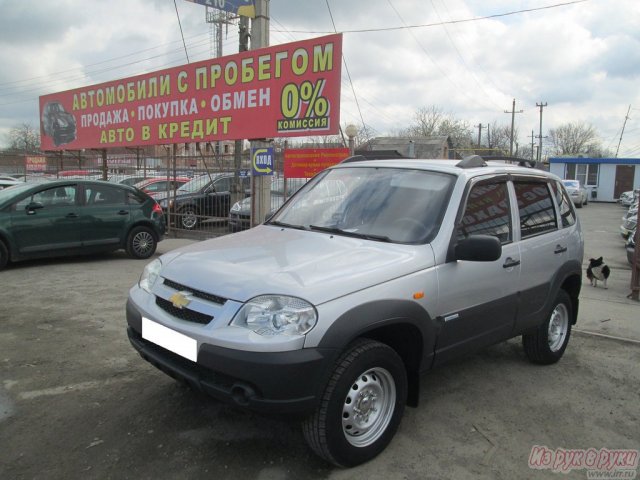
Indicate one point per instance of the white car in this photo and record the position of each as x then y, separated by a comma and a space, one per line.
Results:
577, 192
333, 307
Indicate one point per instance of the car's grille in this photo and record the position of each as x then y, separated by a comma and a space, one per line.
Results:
183, 313
196, 293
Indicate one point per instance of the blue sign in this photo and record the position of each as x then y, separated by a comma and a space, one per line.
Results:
245, 173
262, 160
244, 8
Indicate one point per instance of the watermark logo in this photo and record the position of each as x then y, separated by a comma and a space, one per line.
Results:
603, 463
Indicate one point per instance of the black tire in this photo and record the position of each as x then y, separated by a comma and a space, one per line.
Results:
188, 217
579, 205
547, 344
338, 430
141, 242
4, 255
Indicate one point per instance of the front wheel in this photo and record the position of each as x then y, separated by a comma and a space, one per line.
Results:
361, 406
547, 344
141, 243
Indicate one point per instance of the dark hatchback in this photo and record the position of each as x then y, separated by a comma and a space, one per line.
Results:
70, 217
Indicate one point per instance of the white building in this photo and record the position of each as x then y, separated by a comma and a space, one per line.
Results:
605, 178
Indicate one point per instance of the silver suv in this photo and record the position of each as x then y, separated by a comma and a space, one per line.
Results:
371, 274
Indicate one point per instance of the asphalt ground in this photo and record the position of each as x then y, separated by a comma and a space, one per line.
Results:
77, 402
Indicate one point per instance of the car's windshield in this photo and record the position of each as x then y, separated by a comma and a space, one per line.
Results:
390, 204
571, 183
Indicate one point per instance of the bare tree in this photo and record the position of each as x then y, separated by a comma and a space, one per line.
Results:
431, 121
574, 138
24, 138
501, 137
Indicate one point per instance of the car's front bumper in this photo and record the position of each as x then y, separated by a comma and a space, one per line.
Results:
270, 382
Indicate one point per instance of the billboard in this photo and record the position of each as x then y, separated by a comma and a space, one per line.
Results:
282, 91
306, 162
244, 8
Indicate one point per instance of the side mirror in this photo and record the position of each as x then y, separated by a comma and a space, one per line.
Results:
478, 248
32, 207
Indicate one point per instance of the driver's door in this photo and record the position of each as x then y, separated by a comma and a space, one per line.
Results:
47, 220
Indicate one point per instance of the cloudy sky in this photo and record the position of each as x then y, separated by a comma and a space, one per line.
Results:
469, 58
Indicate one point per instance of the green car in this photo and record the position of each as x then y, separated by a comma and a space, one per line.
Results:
71, 217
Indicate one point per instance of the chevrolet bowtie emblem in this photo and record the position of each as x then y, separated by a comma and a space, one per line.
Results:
180, 299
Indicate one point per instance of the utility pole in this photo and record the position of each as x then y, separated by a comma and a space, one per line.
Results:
260, 184
626, 117
532, 143
513, 118
541, 105
480, 126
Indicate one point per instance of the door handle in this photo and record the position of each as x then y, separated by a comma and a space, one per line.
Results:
71, 215
560, 249
123, 212
510, 262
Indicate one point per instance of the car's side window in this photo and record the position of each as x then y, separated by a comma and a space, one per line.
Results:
567, 215
223, 185
103, 195
535, 208
487, 212
134, 198
51, 197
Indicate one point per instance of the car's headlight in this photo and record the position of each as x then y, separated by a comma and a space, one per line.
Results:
150, 275
236, 207
277, 315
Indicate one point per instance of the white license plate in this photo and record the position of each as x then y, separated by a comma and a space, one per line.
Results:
176, 342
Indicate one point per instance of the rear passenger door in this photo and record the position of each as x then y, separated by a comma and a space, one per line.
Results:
105, 214
477, 300
543, 248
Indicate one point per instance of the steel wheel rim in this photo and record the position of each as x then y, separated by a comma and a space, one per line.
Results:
189, 219
368, 407
558, 327
142, 243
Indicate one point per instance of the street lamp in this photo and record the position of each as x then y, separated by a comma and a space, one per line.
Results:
351, 130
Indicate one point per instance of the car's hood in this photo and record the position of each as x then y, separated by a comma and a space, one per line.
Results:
315, 266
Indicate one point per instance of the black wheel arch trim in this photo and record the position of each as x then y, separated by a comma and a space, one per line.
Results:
402, 324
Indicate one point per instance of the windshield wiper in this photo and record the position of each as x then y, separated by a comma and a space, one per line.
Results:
339, 231
286, 225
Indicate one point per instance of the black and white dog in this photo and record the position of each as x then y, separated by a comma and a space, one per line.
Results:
597, 270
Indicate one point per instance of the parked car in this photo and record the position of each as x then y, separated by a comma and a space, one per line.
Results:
578, 193
6, 183
202, 197
240, 213
629, 198
69, 217
631, 245
58, 124
160, 185
130, 180
371, 274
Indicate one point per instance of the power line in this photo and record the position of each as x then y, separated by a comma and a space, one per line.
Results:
450, 22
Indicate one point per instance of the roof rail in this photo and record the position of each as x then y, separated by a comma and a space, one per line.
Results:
522, 162
471, 161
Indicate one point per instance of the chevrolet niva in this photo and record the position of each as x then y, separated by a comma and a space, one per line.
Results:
371, 274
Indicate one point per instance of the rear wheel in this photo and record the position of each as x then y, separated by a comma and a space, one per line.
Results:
4, 255
547, 344
361, 407
141, 242
188, 217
